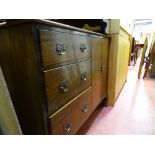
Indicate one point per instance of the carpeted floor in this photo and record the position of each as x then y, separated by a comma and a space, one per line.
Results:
133, 113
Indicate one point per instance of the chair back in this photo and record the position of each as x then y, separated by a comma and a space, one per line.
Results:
142, 57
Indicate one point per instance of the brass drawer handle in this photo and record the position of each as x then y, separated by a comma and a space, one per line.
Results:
61, 48
85, 109
64, 86
83, 47
67, 127
84, 77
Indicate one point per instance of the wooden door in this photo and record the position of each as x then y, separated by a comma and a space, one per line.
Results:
96, 71
104, 67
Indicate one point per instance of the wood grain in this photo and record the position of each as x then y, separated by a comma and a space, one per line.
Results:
118, 64
49, 41
78, 41
19, 62
100, 50
104, 65
72, 113
96, 71
72, 74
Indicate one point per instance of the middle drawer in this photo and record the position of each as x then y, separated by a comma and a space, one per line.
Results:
65, 83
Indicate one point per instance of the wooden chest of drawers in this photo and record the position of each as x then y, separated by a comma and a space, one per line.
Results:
66, 82
49, 75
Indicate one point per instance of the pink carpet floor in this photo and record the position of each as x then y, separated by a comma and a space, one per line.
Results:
133, 113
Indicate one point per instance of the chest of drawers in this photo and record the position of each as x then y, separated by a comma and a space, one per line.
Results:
48, 69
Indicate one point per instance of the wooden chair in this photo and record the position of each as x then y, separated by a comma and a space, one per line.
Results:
150, 57
142, 57
134, 52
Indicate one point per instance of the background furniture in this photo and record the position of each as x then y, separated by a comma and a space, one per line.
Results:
150, 59
142, 57
118, 63
56, 74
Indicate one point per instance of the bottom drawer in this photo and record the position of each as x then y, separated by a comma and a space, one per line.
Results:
69, 118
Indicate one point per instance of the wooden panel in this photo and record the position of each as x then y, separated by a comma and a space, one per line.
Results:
113, 51
114, 26
122, 63
70, 118
21, 69
96, 71
104, 65
69, 79
56, 47
59, 47
118, 65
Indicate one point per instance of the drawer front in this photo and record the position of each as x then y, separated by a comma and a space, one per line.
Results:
70, 118
81, 46
65, 83
56, 47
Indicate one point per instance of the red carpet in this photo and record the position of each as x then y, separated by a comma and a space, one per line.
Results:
133, 113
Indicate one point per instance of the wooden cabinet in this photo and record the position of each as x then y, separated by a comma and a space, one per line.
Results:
100, 47
55, 74
118, 64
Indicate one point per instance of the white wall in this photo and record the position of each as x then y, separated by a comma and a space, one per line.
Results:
127, 24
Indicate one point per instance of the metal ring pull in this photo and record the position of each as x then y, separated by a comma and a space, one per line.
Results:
67, 127
64, 86
84, 77
83, 47
61, 48
85, 109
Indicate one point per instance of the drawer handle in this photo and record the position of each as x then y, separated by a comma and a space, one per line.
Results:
67, 127
64, 86
84, 77
83, 47
61, 48
85, 109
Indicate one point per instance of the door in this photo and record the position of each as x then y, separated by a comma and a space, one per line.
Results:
104, 67
96, 71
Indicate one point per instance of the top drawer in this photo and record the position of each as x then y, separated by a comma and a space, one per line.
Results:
81, 46
58, 47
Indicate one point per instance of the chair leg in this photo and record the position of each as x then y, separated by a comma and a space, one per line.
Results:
147, 67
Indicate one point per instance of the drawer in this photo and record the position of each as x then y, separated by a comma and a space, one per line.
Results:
81, 46
64, 83
70, 118
56, 47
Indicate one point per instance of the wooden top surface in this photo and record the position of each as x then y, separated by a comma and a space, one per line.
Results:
49, 23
